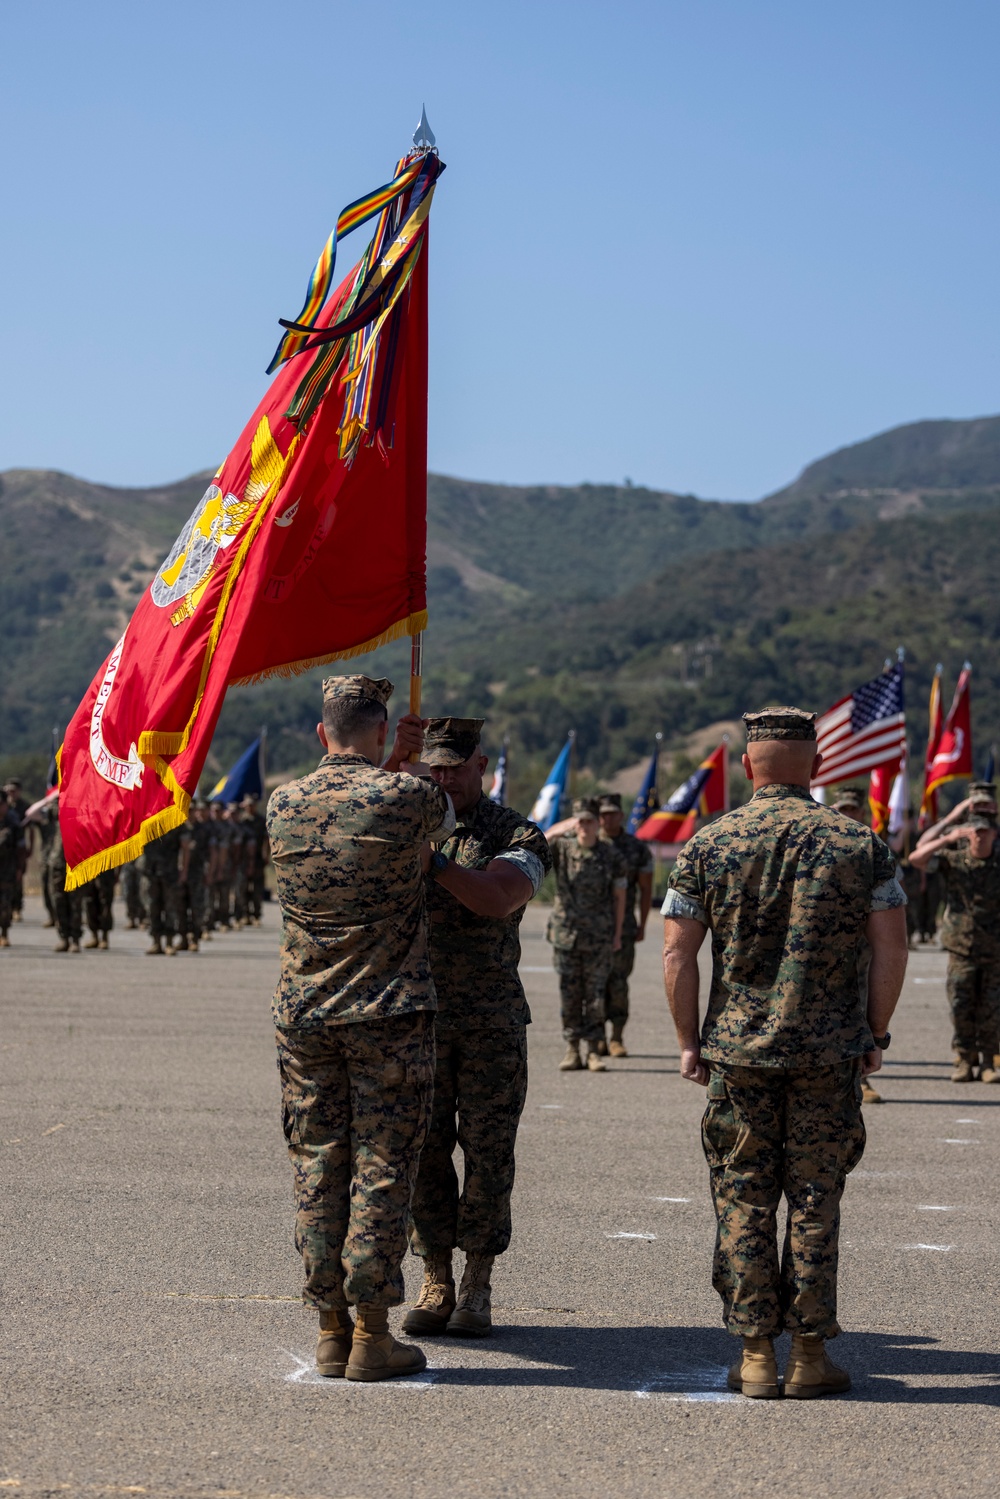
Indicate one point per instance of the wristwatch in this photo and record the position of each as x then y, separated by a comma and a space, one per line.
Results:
439, 862
882, 1042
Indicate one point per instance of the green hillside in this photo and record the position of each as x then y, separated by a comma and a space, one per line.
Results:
615, 611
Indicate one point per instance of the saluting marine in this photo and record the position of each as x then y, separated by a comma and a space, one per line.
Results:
354, 1016
787, 888
479, 882
963, 850
585, 928
638, 858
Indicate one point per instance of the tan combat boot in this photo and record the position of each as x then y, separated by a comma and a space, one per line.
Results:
965, 1062
810, 1372
571, 1061
601, 1046
336, 1331
436, 1301
92, 941
103, 943
989, 1072
756, 1374
192, 944
74, 946
616, 1046
62, 945
595, 1062
155, 949
375, 1354
472, 1317
868, 1094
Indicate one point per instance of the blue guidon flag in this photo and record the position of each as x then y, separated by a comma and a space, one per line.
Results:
545, 812
246, 778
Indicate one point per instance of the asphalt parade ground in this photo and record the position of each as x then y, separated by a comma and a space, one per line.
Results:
153, 1340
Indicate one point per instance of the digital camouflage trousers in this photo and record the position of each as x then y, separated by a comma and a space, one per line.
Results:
769, 1131
357, 1102
616, 988
974, 997
164, 902
191, 905
480, 1082
6, 901
583, 976
98, 902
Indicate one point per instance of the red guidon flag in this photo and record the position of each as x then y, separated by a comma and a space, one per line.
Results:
953, 756
935, 726
307, 546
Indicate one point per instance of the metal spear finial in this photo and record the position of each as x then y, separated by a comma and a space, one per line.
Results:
423, 137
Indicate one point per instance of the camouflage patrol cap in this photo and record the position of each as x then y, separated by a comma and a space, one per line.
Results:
609, 801
450, 741
372, 689
780, 723
849, 796
585, 806
982, 791
981, 821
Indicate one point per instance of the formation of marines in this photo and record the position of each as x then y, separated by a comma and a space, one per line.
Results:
400, 1017
203, 877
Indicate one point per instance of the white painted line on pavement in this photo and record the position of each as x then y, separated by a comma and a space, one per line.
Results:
692, 1382
550, 1105
941, 1248
933, 1207
949, 1141
670, 1199
306, 1372
630, 1236
968, 1121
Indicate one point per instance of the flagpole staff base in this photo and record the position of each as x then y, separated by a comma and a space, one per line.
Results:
416, 680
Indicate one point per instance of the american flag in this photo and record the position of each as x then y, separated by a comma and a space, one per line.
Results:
863, 730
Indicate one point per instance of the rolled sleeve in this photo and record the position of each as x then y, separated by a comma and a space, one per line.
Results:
528, 863
887, 895
676, 904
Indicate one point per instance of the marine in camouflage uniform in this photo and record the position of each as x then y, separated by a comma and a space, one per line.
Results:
197, 842
220, 873
162, 860
638, 858
11, 844
480, 881
354, 1016
135, 906
45, 821
257, 839
18, 806
966, 858
67, 904
98, 902
585, 927
789, 889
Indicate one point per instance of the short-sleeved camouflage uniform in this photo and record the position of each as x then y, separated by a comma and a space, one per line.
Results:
970, 934
354, 1016
481, 1074
638, 858
581, 930
785, 886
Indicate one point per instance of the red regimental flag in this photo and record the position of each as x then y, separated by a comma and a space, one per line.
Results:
308, 546
952, 759
935, 725
880, 789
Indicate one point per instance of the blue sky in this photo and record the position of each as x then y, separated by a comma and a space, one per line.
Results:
694, 244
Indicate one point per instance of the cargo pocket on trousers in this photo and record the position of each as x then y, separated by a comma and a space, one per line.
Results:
854, 1137
720, 1133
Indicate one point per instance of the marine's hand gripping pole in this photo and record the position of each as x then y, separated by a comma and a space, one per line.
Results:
416, 676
